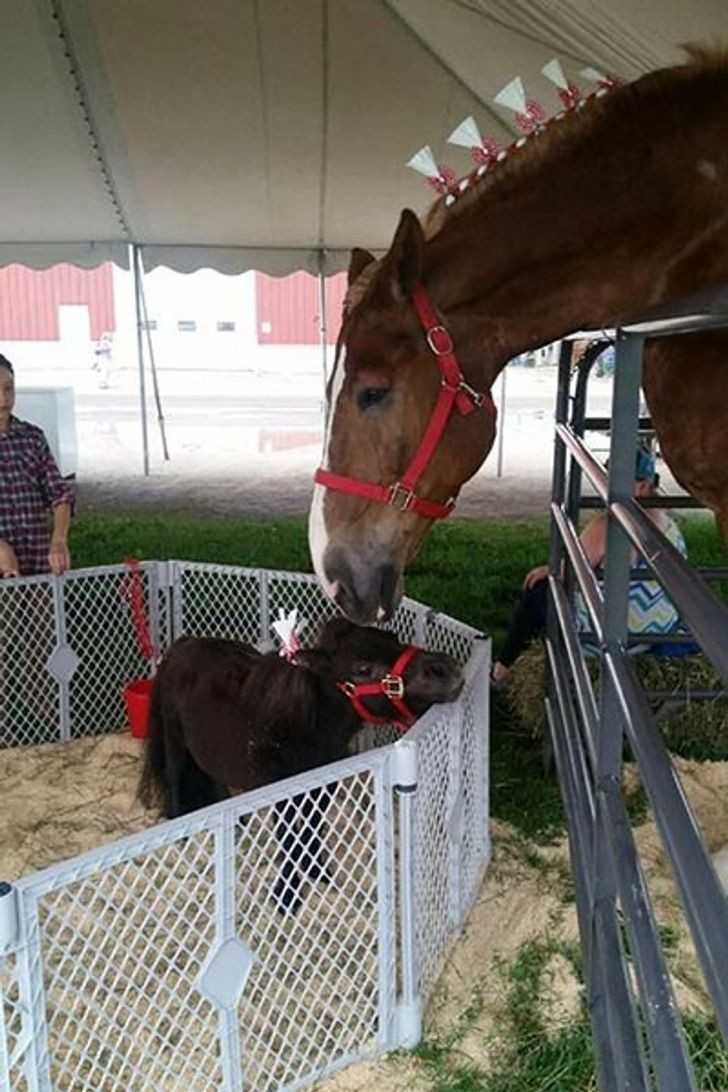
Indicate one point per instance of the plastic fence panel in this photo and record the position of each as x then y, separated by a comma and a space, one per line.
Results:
432, 894
286, 591
409, 622
475, 835
98, 628
444, 634
119, 950
216, 601
128, 949
30, 697
12, 1026
324, 977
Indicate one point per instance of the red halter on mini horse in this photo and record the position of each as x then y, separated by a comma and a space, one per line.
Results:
454, 393
392, 686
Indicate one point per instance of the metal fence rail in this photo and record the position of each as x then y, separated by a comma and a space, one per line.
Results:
637, 1026
165, 961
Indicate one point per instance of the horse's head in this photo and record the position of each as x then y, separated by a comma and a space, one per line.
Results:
355, 656
388, 386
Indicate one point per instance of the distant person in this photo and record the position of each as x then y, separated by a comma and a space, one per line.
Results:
102, 359
35, 501
650, 608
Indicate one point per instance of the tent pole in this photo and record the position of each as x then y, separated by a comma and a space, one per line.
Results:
323, 323
152, 364
502, 429
136, 263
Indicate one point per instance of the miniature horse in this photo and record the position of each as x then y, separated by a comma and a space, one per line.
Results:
225, 718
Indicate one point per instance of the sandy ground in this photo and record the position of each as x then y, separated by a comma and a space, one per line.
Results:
61, 799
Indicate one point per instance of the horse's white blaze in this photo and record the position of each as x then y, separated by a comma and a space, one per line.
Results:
318, 536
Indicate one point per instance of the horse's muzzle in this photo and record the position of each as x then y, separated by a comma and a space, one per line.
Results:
367, 587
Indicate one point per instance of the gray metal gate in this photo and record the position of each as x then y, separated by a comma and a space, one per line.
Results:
637, 1026
164, 961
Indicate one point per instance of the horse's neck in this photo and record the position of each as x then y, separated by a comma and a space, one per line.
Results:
582, 246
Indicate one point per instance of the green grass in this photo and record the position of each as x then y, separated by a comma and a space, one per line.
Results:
471, 570
530, 1056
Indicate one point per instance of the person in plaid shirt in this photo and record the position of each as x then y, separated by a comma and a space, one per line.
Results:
30, 486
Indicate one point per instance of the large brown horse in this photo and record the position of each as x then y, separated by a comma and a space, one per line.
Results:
616, 207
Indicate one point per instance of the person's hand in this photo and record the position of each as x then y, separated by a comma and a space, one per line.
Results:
539, 573
8, 561
59, 559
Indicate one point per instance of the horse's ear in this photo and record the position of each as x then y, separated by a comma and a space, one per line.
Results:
358, 262
402, 267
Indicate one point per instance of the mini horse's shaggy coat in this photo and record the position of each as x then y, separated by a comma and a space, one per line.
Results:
226, 718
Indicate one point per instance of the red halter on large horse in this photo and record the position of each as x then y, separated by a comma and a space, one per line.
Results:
620, 206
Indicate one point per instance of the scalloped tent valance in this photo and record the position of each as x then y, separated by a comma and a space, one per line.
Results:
244, 134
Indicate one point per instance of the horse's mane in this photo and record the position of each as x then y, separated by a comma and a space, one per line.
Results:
544, 148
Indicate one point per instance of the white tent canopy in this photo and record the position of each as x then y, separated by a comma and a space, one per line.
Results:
267, 133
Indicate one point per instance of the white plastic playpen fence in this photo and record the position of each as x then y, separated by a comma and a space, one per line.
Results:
162, 962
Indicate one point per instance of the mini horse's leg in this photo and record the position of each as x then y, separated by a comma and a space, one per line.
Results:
174, 773
302, 845
286, 887
313, 852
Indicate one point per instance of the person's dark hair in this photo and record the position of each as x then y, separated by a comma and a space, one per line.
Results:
5, 363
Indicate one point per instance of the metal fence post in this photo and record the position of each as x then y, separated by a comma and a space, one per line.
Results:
64, 700
610, 729
264, 631
225, 930
408, 1031
454, 817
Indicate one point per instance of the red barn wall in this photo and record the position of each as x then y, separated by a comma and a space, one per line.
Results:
287, 308
29, 300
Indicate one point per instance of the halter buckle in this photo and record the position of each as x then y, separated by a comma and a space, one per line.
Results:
400, 497
446, 347
349, 688
393, 686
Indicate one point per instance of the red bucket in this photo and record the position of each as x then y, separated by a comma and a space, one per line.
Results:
136, 699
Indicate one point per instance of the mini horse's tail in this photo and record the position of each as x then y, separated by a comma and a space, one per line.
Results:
151, 792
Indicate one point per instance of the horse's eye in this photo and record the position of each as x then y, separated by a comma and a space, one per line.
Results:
366, 670
371, 396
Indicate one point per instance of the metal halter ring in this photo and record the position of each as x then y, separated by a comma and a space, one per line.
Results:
393, 686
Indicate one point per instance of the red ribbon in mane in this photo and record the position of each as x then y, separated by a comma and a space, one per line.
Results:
132, 590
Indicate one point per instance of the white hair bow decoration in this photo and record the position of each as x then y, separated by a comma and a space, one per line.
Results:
484, 150
288, 629
530, 114
442, 179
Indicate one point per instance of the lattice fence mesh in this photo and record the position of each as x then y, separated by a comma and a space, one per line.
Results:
11, 1018
217, 601
287, 591
313, 996
432, 854
99, 631
121, 949
30, 697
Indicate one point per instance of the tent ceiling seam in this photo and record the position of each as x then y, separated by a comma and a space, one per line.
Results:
324, 120
74, 69
397, 16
